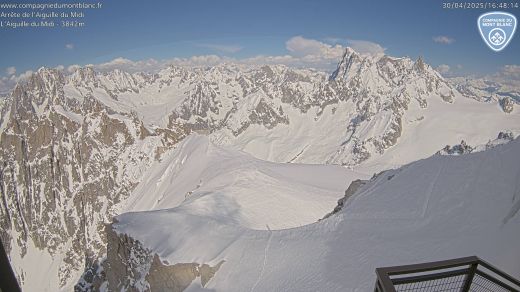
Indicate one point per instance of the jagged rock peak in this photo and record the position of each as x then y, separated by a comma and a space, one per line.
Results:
353, 63
83, 75
44, 77
44, 83
350, 57
419, 64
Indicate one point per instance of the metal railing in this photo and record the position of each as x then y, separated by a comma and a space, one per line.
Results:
469, 274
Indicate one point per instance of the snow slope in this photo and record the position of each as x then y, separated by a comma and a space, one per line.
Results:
433, 209
224, 184
424, 131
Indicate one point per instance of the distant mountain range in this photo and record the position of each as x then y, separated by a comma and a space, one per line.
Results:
74, 147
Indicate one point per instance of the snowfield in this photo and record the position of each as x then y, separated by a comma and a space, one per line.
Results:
437, 208
424, 132
214, 182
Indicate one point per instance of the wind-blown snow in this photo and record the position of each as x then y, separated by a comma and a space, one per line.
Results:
433, 209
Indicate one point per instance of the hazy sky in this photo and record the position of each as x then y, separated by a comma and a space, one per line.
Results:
139, 30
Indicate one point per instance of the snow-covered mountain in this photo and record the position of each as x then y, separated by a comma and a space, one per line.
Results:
482, 89
437, 208
74, 147
372, 111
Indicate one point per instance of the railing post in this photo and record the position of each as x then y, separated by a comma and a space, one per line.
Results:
384, 284
469, 278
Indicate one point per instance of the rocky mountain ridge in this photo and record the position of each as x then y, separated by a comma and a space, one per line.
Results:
73, 147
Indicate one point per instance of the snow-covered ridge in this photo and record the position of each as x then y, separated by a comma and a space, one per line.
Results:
232, 186
464, 148
437, 208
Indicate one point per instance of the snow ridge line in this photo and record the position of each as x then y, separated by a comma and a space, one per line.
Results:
265, 259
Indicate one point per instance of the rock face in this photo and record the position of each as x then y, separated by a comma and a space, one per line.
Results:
382, 89
459, 149
507, 104
73, 147
131, 267
464, 148
351, 190
508, 136
62, 170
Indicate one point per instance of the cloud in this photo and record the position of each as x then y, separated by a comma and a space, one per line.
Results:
152, 65
129, 65
69, 46
4, 87
261, 59
301, 52
304, 52
303, 47
8, 82
366, 47
511, 71
443, 68
334, 40
73, 68
204, 60
10, 71
443, 40
321, 55
451, 71
230, 49
507, 75
363, 47
24, 76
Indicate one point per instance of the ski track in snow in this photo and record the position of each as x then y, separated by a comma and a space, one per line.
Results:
299, 154
430, 191
516, 206
266, 250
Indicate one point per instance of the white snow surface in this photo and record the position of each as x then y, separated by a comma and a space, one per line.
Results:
438, 208
206, 180
425, 131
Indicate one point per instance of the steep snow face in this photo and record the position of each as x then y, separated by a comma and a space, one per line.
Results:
231, 186
438, 208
